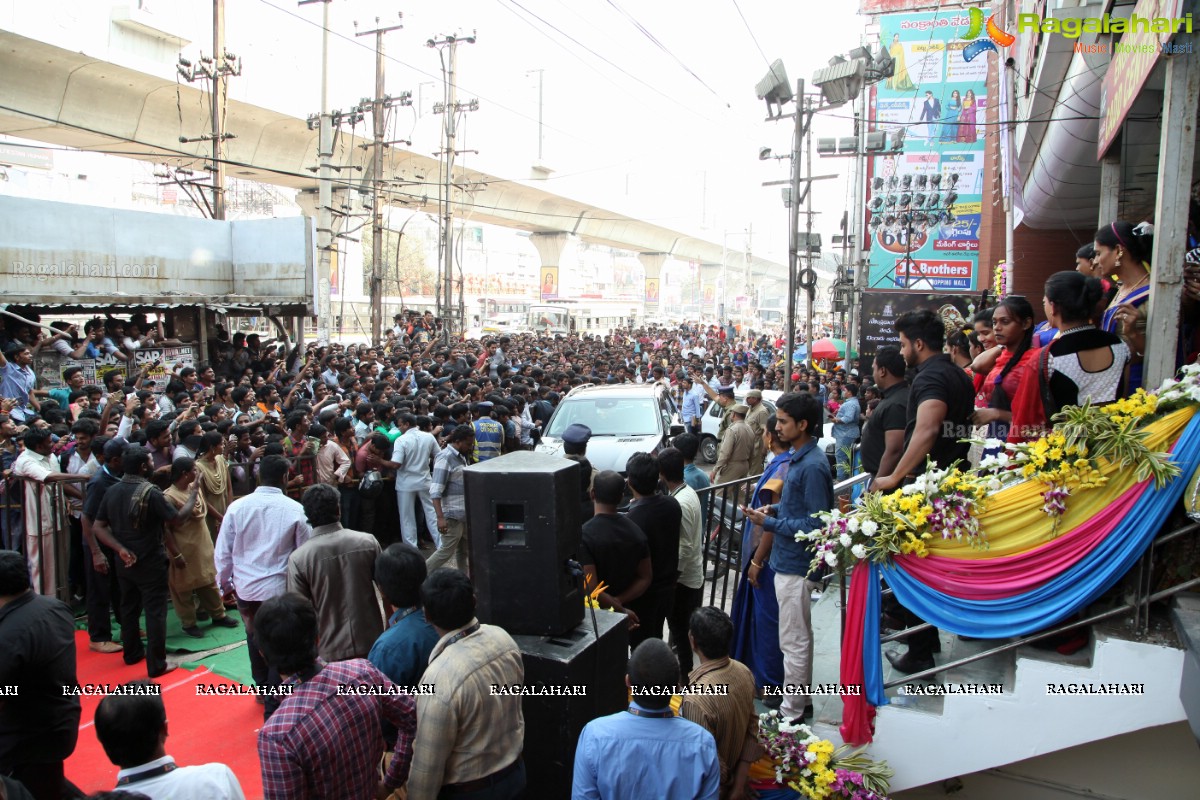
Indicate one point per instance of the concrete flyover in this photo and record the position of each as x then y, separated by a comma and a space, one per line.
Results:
65, 98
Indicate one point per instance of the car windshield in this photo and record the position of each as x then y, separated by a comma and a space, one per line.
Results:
607, 416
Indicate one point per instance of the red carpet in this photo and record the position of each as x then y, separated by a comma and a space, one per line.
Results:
200, 729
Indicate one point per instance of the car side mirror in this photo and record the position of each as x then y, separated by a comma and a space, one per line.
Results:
677, 430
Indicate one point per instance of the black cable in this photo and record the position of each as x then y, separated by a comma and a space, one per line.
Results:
655, 41
753, 38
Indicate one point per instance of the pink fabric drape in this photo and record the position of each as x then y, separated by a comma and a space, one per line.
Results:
858, 716
1006, 576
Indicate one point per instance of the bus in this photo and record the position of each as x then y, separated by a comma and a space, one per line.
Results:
582, 317
504, 314
550, 319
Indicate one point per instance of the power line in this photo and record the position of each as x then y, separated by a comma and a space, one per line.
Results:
416, 69
654, 39
608, 61
751, 32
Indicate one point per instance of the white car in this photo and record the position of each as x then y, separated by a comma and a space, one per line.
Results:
710, 424
624, 419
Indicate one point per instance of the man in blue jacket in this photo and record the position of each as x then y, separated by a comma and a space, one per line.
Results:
807, 490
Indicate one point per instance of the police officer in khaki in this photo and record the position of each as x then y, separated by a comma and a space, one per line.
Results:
737, 447
757, 420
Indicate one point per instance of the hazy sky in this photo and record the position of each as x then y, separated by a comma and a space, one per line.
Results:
667, 133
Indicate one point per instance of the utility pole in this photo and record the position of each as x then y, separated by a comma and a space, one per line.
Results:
804, 103
860, 269
218, 94
450, 108
216, 69
794, 232
379, 104
324, 125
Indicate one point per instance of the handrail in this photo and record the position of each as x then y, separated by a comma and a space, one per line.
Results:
1137, 605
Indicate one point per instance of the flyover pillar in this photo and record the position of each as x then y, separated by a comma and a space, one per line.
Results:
550, 247
652, 263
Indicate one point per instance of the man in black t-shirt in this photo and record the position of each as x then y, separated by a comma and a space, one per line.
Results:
940, 404
659, 518
614, 549
883, 433
136, 521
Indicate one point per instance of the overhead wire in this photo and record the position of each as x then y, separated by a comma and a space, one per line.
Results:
413, 67
655, 41
609, 61
753, 38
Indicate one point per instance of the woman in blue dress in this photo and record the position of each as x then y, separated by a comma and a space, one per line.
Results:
950, 120
1123, 253
755, 608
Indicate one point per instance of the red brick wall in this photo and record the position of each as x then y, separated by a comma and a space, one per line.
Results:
1038, 255
991, 223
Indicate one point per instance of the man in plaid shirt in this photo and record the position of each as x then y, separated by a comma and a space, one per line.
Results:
326, 738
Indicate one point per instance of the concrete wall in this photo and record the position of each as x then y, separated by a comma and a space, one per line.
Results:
1038, 255
1155, 762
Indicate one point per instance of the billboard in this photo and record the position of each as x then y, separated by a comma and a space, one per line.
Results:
925, 200
880, 310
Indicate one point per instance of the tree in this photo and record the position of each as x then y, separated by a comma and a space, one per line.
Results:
404, 269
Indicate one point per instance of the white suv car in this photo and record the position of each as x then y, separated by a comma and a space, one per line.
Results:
624, 419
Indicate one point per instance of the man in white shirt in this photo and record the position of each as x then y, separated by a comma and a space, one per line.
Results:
258, 534
413, 458
132, 728
689, 585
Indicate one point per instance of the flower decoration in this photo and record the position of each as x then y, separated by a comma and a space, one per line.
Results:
941, 504
817, 769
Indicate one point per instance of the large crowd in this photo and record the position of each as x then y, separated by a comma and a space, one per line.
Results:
318, 490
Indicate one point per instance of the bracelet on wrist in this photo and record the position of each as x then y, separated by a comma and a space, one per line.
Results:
754, 563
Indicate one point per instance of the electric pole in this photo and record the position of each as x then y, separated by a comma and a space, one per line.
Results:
216, 69
860, 269
218, 95
379, 104
324, 125
794, 233
450, 109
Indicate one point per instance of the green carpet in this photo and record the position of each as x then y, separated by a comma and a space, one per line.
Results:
179, 642
233, 664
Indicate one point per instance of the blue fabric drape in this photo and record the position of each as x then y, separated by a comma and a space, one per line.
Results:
1053, 601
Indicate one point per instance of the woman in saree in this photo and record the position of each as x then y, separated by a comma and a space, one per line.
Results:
216, 487
967, 118
755, 608
899, 81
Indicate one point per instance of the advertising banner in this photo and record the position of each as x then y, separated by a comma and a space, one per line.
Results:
165, 360
924, 200
549, 283
49, 367
880, 310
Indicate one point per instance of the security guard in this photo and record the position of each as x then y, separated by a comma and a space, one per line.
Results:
737, 448
575, 439
489, 434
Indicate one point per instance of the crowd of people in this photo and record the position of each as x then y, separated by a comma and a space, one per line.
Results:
318, 490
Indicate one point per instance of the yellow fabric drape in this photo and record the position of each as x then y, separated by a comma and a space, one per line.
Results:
1014, 521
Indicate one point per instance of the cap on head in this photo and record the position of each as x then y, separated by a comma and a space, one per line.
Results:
755, 393
740, 408
726, 390
577, 433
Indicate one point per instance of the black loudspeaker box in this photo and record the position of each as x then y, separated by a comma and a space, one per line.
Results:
553, 723
523, 525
